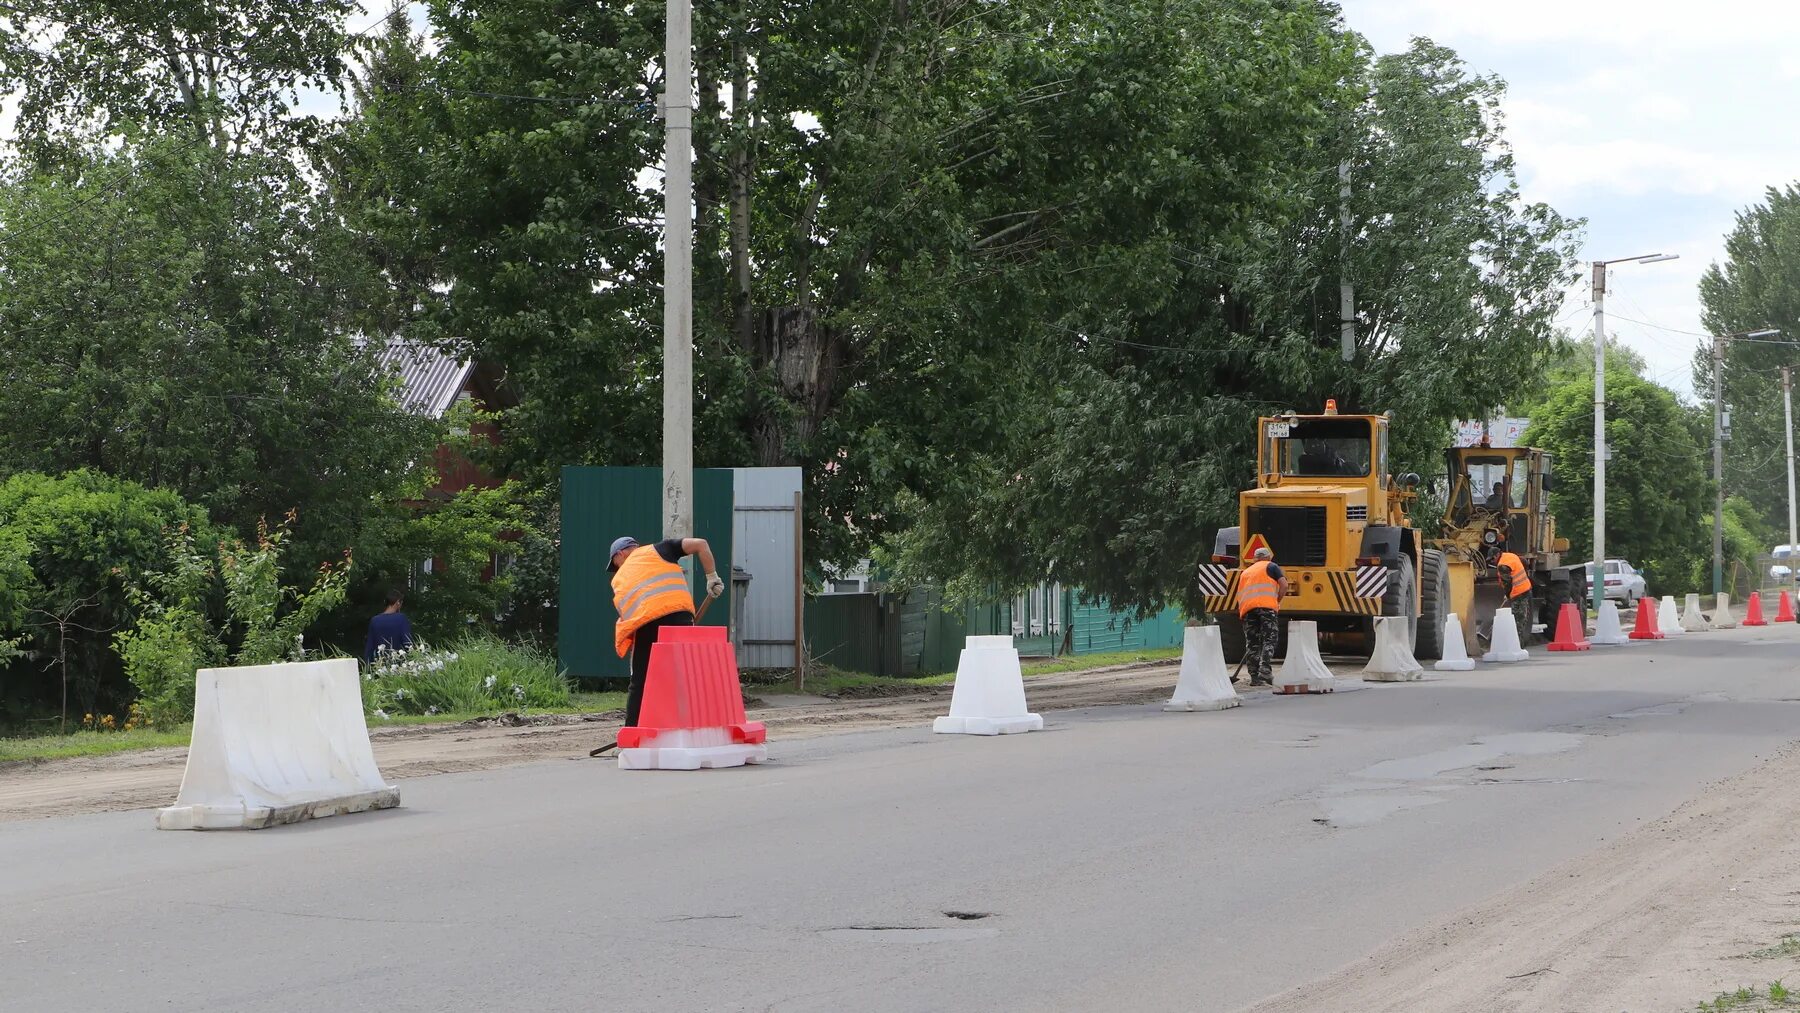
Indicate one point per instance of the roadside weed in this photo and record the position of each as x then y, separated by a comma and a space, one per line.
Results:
1751, 1000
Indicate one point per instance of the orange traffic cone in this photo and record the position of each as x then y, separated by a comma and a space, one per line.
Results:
1571, 630
1753, 611
1646, 621
693, 713
1784, 612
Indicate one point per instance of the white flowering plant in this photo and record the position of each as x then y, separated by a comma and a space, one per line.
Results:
477, 675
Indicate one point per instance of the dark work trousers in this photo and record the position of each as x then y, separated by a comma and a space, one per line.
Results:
1262, 632
640, 659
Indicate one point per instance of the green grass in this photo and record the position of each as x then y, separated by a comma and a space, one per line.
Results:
58, 747
1751, 1000
826, 680
579, 703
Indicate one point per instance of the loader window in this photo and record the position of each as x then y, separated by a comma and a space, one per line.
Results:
1321, 448
1521, 482
1487, 481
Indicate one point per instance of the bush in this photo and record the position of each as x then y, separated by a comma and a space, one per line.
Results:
475, 675
173, 635
70, 548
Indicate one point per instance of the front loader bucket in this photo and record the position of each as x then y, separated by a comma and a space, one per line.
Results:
1474, 605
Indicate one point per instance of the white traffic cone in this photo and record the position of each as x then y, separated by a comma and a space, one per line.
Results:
1302, 670
1668, 617
1608, 631
1692, 619
989, 698
1456, 653
1392, 660
1722, 619
1503, 640
1203, 684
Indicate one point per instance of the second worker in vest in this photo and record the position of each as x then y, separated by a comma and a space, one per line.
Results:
1516, 579
650, 591
1260, 588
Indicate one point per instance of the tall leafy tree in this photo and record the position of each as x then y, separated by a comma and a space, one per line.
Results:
1132, 452
1658, 492
1756, 287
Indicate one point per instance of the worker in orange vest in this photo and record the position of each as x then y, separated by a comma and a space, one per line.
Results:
1515, 577
650, 591
1260, 588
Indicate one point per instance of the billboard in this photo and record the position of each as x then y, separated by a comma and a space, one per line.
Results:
1502, 432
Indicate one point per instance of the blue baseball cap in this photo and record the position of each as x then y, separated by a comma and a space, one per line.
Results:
619, 545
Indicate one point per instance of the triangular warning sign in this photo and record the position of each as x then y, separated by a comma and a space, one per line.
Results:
1257, 541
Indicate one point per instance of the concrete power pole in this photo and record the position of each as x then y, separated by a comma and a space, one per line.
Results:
1346, 291
1787, 412
1718, 370
678, 275
1599, 435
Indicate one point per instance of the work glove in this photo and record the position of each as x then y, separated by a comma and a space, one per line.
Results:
715, 585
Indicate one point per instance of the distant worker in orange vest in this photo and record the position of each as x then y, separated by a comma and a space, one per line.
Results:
1516, 579
650, 591
1260, 588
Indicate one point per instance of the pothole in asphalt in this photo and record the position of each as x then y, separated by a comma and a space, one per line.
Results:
968, 916
1430, 765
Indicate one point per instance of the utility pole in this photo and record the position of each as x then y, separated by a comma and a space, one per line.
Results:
1787, 412
678, 274
1346, 291
1599, 435
1718, 372
1600, 414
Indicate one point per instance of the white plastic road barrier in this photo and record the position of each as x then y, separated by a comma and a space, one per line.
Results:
1668, 618
1392, 660
1608, 631
1203, 684
1692, 619
277, 744
1722, 619
1503, 640
1302, 670
989, 698
1456, 653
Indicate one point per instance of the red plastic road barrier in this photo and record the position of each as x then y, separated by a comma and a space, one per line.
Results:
1784, 611
1646, 621
692, 684
1753, 611
1571, 630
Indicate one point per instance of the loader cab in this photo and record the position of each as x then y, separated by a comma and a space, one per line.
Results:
1504, 493
1326, 449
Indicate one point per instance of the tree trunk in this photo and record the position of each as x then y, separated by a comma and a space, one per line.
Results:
803, 358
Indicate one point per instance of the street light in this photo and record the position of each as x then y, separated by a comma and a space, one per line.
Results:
1718, 371
1600, 414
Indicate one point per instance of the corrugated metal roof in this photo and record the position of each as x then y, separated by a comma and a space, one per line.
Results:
429, 379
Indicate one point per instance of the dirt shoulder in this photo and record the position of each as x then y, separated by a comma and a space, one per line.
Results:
1662, 919
148, 778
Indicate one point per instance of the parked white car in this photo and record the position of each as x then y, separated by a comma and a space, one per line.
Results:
1624, 583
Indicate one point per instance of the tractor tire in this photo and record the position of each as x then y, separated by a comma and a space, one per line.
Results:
1400, 600
1231, 636
1434, 606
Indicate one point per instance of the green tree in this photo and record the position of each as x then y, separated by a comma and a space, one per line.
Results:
1658, 493
1118, 469
1756, 287
192, 331
226, 73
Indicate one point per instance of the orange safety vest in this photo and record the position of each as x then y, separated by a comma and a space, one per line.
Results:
646, 587
1521, 579
1257, 589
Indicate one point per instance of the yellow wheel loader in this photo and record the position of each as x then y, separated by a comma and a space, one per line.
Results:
1499, 501
1337, 524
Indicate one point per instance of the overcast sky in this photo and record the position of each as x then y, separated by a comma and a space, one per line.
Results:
1655, 120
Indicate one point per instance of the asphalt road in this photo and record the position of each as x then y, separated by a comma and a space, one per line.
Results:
1121, 859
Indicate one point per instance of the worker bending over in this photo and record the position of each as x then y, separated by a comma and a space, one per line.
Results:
650, 591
